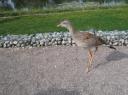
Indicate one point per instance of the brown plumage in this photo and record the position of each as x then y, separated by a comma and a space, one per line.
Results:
84, 39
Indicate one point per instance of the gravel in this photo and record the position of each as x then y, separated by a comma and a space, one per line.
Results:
116, 38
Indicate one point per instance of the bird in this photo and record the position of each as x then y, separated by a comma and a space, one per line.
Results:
86, 40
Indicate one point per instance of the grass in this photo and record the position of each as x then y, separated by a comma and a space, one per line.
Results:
104, 19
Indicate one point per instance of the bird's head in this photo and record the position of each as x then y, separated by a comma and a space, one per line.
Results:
64, 23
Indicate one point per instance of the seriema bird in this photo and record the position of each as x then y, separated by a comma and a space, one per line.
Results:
84, 39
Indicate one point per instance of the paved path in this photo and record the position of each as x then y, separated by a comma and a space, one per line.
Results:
61, 71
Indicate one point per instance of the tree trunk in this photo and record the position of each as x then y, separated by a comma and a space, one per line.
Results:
81, 1
51, 1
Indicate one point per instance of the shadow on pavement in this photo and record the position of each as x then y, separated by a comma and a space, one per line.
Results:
56, 91
114, 56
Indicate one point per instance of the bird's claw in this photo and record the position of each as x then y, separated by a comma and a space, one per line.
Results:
87, 70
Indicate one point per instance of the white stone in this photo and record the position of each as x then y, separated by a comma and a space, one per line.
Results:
15, 42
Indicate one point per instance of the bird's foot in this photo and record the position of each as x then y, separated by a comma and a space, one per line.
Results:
92, 66
87, 70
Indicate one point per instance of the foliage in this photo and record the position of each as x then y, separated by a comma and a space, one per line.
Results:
72, 6
104, 19
42, 3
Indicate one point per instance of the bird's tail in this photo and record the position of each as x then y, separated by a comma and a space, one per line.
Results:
111, 47
103, 41
107, 44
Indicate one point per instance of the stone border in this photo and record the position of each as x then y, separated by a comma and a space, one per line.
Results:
116, 38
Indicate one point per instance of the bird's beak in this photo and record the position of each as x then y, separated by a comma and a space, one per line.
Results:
58, 25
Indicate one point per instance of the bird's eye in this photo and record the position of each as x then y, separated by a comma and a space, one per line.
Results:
64, 22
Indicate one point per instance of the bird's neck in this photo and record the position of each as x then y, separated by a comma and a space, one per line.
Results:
71, 29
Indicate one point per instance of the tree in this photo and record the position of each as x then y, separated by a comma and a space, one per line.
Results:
126, 1
8, 4
81, 1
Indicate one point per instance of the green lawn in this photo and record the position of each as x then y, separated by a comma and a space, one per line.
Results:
104, 19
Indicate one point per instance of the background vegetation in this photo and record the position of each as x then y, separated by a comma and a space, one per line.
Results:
105, 19
29, 19
39, 3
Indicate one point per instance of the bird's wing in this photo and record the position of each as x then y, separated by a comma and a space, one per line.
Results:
86, 37
100, 41
83, 36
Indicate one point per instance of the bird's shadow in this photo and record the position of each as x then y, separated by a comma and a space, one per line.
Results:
113, 56
56, 91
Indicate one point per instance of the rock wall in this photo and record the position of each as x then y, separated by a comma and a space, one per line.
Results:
116, 38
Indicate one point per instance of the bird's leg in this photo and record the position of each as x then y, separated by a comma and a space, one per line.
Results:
96, 48
89, 61
91, 57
